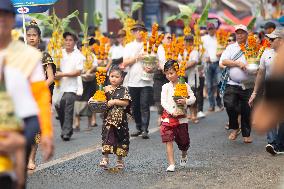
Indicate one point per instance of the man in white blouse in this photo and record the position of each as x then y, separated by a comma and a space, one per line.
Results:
139, 89
213, 71
71, 66
236, 92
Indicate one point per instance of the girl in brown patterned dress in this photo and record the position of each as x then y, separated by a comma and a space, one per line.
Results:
115, 132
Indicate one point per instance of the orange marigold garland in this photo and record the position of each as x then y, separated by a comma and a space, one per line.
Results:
253, 50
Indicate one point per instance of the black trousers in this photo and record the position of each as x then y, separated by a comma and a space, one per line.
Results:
141, 99
235, 96
6, 182
200, 100
65, 113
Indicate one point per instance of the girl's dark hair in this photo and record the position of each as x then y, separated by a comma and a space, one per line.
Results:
33, 25
170, 64
116, 69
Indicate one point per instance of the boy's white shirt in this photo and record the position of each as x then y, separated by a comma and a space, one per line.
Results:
168, 102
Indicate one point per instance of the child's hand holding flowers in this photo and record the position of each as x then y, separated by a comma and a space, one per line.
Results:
181, 101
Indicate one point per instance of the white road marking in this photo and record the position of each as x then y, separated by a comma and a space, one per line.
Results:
82, 152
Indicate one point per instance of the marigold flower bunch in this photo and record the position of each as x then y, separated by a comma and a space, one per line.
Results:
87, 52
198, 44
252, 50
151, 45
54, 48
181, 70
127, 25
222, 37
181, 90
186, 30
102, 50
173, 49
265, 44
99, 96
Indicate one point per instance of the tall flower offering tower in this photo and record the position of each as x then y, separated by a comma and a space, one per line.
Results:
150, 48
98, 103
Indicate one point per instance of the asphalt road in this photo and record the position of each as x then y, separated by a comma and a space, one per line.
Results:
214, 162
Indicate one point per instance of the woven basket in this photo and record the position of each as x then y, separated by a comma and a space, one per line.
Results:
97, 107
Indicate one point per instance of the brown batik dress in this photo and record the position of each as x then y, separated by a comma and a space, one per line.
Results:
115, 132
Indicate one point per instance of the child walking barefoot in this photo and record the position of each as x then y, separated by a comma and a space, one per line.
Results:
115, 132
174, 125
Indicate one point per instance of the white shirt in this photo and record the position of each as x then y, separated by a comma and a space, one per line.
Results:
168, 102
161, 53
266, 61
116, 52
237, 75
18, 87
135, 72
210, 45
69, 63
193, 71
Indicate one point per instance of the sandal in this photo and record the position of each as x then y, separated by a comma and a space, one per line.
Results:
233, 135
119, 164
104, 163
247, 140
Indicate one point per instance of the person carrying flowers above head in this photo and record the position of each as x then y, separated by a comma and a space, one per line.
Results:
174, 125
140, 90
33, 39
24, 91
115, 132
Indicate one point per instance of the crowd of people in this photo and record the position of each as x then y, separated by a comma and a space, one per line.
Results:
25, 68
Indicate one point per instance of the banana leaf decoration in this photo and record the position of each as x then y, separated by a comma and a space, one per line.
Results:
135, 7
123, 15
98, 18
253, 20
84, 26
204, 15
251, 24
229, 21
53, 22
127, 20
185, 14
